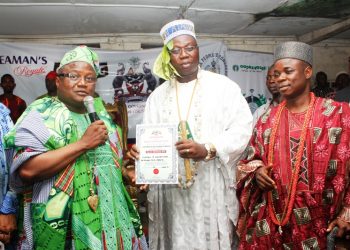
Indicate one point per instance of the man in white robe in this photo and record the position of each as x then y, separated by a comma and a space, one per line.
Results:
201, 213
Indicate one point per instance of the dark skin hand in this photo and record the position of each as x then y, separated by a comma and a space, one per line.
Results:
134, 154
343, 227
263, 179
266, 183
187, 149
8, 223
129, 174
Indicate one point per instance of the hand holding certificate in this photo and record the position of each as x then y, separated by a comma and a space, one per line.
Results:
157, 163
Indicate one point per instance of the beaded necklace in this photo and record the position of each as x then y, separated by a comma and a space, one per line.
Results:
91, 172
287, 210
92, 200
184, 132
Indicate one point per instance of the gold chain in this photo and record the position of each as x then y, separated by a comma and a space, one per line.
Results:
177, 100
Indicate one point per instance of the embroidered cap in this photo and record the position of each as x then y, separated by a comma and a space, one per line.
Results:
177, 28
81, 54
295, 50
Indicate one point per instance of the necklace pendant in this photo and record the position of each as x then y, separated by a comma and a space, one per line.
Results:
93, 202
280, 229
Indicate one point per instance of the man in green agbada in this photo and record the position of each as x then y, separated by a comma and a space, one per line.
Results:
68, 169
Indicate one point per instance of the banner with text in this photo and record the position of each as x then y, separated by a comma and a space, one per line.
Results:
127, 75
249, 70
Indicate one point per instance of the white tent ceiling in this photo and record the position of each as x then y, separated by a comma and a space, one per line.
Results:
307, 20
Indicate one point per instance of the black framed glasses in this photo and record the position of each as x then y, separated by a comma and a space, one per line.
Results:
188, 49
75, 78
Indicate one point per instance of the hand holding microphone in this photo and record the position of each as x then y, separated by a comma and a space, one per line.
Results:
89, 105
96, 134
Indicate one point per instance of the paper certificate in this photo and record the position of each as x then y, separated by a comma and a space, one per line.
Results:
158, 155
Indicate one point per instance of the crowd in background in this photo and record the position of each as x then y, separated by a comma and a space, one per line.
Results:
324, 88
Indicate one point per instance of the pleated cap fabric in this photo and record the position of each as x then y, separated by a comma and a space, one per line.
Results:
295, 50
177, 28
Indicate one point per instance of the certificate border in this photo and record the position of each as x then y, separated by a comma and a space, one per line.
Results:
173, 176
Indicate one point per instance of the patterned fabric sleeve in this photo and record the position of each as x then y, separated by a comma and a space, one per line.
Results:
29, 140
345, 123
254, 155
247, 190
10, 203
9, 200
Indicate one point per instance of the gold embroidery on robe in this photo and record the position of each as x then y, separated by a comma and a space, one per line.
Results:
249, 235
266, 136
327, 196
262, 228
302, 215
288, 246
334, 135
275, 195
317, 133
266, 115
329, 107
332, 168
310, 244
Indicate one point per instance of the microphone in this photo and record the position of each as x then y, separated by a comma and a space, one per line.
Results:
89, 105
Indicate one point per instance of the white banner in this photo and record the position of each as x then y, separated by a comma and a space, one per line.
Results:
128, 74
249, 70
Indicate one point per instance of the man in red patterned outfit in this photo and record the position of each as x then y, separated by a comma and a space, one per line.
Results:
14, 103
294, 183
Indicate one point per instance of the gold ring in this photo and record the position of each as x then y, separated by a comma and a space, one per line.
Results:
187, 151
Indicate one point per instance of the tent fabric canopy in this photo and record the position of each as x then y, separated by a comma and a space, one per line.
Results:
223, 17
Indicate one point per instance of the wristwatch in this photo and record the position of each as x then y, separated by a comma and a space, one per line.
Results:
211, 151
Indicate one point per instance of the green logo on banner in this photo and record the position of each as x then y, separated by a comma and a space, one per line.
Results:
235, 68
248, 68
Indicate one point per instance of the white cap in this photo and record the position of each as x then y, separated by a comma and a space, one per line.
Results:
177, 28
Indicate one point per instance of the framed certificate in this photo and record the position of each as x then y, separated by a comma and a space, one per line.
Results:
158, 156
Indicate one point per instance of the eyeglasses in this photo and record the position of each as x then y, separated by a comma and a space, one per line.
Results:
75, 78
189, 49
